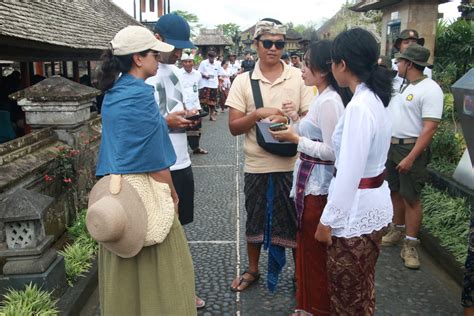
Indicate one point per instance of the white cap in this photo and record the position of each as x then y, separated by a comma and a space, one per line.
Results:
134, 39
187, 56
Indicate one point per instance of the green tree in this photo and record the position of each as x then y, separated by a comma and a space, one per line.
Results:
454, 53
229, 29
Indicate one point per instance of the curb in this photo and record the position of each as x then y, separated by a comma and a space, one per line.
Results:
443, 257
74, 299
454, 188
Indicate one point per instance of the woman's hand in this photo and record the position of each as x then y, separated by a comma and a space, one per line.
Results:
289, 109
323, 234
277, 119
287, 135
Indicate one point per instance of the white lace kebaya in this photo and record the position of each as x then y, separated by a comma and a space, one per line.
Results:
361, 141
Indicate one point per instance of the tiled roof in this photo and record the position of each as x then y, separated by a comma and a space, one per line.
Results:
212, 37
80, 24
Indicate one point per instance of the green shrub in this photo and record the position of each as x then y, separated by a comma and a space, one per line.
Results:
78, 256
448, 145
447, 218
77, 260
453, 51
31, 301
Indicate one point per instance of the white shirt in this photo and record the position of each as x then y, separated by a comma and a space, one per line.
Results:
208, 69
318, 124
361, 141
398, 80
169, 98
190, 83
234, 68
225, 75
417, 102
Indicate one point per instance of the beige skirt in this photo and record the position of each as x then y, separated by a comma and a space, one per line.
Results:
157, 281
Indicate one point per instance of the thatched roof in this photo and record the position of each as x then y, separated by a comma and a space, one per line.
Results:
212, 37
367, 5
67, 30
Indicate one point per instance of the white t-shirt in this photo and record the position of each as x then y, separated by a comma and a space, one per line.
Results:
398, 80
419, 101
190, 83
234, 68
208, 69
169, 98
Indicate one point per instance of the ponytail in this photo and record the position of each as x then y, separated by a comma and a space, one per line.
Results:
111, 67
380, 82
360, 51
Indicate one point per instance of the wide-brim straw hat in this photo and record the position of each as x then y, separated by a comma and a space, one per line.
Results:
117, 220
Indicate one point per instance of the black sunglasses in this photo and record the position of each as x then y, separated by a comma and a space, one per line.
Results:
267, 44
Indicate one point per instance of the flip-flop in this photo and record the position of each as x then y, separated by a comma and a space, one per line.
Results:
199, 150
200, 303
243, 280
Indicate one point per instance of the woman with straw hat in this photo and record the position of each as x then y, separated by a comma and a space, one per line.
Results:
138, 275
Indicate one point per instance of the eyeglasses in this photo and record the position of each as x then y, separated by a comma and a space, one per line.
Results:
267, 44
156, 54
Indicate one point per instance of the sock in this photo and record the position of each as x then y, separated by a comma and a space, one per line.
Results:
400, 226
411, 238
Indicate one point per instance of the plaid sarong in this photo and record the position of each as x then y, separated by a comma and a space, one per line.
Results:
304, 171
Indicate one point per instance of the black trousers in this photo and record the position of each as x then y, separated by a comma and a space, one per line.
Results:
183, 181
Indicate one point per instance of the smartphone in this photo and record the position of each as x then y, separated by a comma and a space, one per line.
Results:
278, 127
197, 116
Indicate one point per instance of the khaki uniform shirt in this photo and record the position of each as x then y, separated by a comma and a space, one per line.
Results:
289, 86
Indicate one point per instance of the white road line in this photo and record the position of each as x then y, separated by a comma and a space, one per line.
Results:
213, 166
212, 241
237, 187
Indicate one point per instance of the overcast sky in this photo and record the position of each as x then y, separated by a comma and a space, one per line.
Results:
246, 12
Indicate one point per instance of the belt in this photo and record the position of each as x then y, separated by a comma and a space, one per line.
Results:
317, 161
369, 183
403, 141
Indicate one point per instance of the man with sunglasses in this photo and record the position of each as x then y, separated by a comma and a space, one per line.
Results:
270, 222
295, 60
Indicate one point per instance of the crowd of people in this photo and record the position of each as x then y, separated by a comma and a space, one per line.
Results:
362, 147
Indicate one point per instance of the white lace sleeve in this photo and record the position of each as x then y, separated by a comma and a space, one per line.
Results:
327, 118
357, 134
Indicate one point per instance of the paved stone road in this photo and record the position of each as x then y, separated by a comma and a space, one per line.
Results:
217, 244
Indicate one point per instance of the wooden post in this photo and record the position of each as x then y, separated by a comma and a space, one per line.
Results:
25, 75
89, 71
39, 70
65, 69
75, 71
152, 5
159, 12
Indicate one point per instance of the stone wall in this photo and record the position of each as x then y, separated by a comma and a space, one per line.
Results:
419, 15
30, 162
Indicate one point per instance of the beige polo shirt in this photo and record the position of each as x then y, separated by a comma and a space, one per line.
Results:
289, 86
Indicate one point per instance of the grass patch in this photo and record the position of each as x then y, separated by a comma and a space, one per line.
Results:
30, 301
79, 255
448, 219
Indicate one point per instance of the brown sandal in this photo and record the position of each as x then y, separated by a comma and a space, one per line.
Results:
243, 281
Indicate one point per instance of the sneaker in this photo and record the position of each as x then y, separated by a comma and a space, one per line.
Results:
394, 235
409, 254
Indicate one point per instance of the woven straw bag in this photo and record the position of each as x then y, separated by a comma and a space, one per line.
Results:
156, 197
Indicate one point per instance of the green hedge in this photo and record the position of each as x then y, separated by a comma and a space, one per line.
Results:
448, 219
79, 255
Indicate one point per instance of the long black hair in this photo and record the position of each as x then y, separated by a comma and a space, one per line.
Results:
112, 66
319, 54
360, 51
